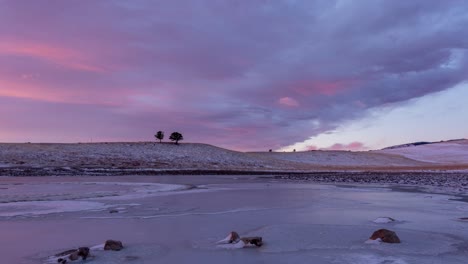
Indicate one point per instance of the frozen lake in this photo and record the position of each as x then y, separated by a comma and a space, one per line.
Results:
178, 219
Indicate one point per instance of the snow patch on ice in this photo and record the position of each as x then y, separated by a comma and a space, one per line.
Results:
383, 220
373, 241
47, 207
237, 245
142, 190
233, 211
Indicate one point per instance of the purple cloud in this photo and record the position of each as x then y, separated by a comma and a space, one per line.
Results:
240, 74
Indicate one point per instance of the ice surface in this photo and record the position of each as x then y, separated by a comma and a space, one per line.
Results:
299, 223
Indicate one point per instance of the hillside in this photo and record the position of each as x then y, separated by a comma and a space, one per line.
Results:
139, 155
151, 158
444, 152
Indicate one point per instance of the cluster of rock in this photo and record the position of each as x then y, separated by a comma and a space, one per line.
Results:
85, 252
455, 182
234, 241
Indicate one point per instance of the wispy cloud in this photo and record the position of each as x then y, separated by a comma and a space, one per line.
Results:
57, 55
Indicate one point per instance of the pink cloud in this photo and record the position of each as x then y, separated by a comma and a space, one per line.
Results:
288, 101
353, 146
40, 90
329, 88
16, 89
65, 57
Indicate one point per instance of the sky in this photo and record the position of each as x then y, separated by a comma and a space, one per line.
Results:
245, 75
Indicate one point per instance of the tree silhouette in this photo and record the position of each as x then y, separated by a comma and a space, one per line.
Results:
159, 135
176, 136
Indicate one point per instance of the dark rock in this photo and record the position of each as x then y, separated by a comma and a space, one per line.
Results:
257, 241
113, 245
386, 236
73, 254
234, 237
82, 252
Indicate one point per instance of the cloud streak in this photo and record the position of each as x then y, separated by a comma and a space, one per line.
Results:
245, 75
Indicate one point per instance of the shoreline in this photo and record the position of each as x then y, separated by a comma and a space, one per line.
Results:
103, 171
437, 182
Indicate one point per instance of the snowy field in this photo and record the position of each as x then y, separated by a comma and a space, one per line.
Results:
178, 219
154, 158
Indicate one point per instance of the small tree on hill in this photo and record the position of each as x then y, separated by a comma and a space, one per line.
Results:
176, 136
159, 135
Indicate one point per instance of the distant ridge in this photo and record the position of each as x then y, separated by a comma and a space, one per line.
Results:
413, 144
408, 145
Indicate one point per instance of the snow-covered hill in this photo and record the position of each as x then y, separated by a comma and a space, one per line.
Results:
150, 157
134, 155
446, 152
